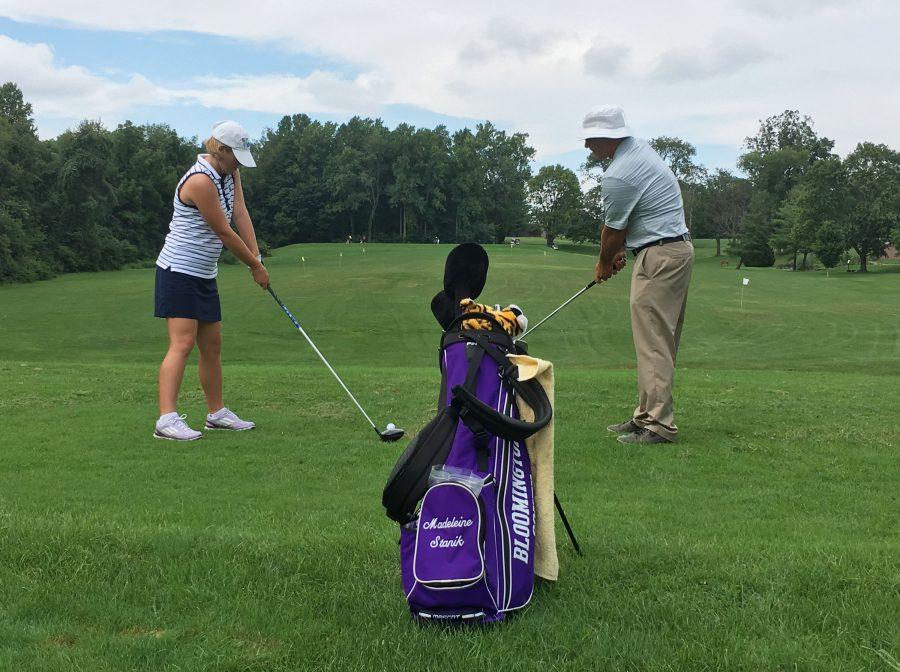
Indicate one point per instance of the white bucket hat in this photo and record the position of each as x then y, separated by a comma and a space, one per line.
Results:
607, 121
235, 136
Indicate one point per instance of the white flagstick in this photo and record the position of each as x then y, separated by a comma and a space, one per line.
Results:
745, 282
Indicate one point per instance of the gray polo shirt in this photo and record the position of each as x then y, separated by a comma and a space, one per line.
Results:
641, 195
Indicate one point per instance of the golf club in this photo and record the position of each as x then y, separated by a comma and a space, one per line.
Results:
391, 432
580, 292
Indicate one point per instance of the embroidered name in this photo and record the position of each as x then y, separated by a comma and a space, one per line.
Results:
435, 524
437, 542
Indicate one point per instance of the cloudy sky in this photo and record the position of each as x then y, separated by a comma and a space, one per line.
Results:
703, 71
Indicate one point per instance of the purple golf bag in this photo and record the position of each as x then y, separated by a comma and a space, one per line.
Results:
462, 490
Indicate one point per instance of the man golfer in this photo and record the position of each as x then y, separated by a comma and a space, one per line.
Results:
645, 214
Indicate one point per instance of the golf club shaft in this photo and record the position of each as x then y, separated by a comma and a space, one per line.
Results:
322, 357
580, 292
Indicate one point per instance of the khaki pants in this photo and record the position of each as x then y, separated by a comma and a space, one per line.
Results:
659, 289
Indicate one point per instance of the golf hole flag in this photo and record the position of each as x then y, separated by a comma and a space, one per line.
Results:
746, 281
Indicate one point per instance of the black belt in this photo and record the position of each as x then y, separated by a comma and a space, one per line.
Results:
662, 241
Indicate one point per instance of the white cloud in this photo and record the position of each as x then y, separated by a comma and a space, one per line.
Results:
74, 93
704, 71
505, 38
683, 64
320, 92
605, 58
512, 36
65, 91
780, 8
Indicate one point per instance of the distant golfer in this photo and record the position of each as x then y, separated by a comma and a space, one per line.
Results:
208, 199
644, 213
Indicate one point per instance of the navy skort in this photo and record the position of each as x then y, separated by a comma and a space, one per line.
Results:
183, 295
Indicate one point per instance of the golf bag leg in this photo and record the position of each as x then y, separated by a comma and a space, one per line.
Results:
562, 515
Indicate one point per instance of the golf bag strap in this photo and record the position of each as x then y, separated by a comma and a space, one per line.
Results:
472, 408
508, 370
474, 355
503, 425
442, 395
501, 340
454, 334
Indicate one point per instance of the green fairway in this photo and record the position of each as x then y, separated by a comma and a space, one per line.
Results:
766, 539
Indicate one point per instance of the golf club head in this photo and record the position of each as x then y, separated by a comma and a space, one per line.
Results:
391, 435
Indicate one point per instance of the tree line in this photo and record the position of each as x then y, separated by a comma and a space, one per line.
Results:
97, 199
807, 199
796, 197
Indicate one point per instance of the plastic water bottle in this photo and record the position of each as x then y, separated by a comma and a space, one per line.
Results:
441, 473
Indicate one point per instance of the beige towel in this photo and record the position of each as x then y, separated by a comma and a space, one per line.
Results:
540, 450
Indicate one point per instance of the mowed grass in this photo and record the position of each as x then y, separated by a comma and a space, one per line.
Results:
766, 539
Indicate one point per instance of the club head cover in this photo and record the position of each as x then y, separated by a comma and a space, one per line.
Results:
444, 309
511, 318
465, 272
520, 317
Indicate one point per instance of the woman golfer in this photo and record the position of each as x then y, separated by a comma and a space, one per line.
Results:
207, 200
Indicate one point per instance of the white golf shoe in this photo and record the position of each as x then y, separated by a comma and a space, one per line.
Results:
226, 419
173, 427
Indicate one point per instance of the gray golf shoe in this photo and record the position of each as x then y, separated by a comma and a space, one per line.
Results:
642, 436
623, 427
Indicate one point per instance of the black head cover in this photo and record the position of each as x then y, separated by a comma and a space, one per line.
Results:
444, 309
465, 273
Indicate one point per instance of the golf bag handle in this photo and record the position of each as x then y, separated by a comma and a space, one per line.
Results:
498, 423
503, 425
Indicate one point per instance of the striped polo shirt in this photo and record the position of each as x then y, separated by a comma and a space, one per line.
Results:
191, 245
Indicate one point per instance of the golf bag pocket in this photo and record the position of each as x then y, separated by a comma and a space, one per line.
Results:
446, 578
409, 479
448, 550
